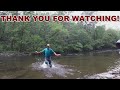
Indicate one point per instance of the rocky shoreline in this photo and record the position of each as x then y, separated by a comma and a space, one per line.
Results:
112, 74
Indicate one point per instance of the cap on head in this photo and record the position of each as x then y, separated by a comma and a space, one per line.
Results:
48, 45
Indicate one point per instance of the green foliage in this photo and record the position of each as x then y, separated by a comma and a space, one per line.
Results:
64, 37
109, 38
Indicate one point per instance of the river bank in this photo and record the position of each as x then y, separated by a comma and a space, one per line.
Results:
112, 74
15, 53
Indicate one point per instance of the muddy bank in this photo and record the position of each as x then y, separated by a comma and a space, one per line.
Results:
12, 53
92, 52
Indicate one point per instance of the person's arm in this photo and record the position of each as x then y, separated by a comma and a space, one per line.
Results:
55, 53
40, 51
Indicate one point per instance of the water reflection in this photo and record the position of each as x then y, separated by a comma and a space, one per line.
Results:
68, 67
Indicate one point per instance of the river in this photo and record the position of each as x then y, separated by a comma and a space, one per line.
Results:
78, 66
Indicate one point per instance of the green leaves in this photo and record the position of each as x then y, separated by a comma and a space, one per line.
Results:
65, 37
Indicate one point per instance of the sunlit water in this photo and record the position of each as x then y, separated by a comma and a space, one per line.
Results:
80, 66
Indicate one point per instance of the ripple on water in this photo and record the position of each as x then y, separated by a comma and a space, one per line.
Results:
57, 69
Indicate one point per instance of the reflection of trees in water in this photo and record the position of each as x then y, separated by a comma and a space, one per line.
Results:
10, 69
11, 66
16, 75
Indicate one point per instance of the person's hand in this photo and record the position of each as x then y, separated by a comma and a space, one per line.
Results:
36, 52
58, 54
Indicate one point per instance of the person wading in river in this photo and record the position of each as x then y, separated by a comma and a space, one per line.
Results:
48, 52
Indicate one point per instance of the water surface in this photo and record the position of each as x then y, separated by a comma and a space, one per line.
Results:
64, 67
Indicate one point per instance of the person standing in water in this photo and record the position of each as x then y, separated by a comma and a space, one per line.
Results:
48, 52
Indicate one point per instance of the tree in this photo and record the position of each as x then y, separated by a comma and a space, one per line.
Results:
109, 38
90, 24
